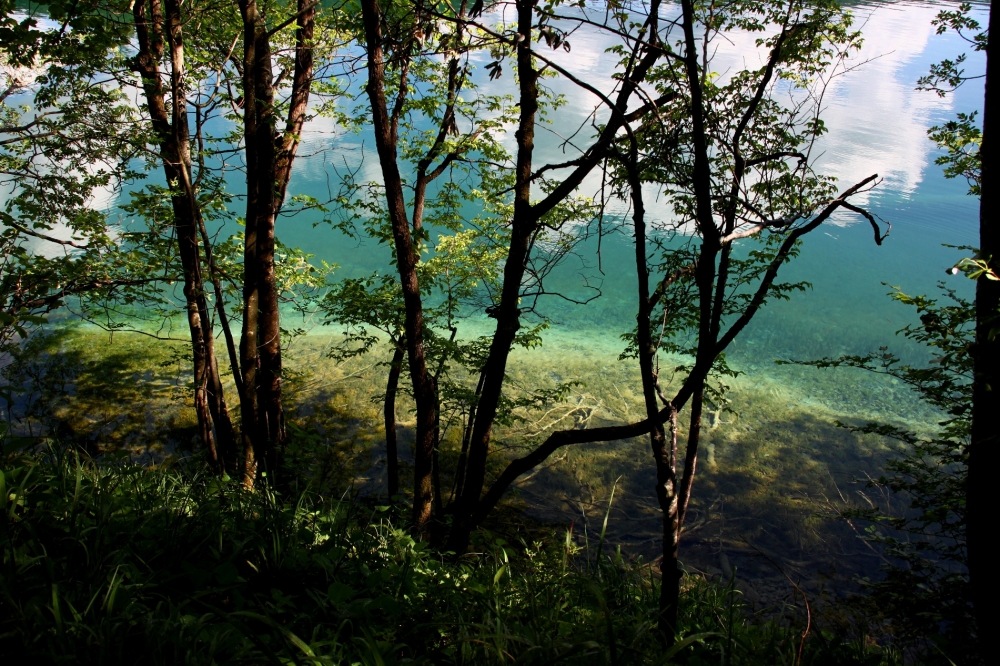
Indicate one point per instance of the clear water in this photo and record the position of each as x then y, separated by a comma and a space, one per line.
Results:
878, 124
783, 448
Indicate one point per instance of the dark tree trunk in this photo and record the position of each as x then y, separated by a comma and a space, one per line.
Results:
424, 392
691, 454
507, 312
172, 130
471, 506
389, 415
269, 410
269, 159
217, 402
251, 289
436, 484
666, 494
463, 456
664, 451
984, 449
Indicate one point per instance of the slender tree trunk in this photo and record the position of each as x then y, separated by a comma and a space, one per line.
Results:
436, 483
674, 502
186, 225
220, 307
508, 312
225, 433
664, 452
424, 392
269, 157
220, 410
471, 505
463, 455
251, 294
691, 453
670, 573
270, 413
984, 449
171, 128
389, 415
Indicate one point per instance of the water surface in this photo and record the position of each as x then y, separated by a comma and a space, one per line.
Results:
877, 123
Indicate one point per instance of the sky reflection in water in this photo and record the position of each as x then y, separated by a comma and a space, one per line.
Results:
877, 124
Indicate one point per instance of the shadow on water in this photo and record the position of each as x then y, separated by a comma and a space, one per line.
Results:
132, 393
103, 393
773, 470
768, 487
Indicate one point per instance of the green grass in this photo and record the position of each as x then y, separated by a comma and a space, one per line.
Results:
114, 563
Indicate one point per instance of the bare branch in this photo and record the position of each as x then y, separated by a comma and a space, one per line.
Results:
45, 237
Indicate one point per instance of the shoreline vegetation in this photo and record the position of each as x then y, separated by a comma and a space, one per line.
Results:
775, 568
150, 558
777, 470
170, 566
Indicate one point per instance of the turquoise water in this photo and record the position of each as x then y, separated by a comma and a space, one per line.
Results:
877, 124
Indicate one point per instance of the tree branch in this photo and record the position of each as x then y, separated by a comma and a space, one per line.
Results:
24, 230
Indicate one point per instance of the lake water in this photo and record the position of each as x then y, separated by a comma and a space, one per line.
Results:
877, 123
778, 463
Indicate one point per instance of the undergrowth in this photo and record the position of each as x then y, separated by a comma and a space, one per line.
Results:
115, 563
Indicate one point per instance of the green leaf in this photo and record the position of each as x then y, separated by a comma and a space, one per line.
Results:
340, 593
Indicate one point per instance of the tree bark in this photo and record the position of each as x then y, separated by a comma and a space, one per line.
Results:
389, 416
471, 506
523, 229
984, 446
193, 225
217, 401
171, 128
269, 159
251, 291
670, 572
463, 456
424, 391
270, 413
691, 454
664, 454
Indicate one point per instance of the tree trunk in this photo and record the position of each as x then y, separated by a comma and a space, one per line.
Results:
507, 312
389, 415
664, 456
463, 456
666, 494
270, 413
691, 453
248, 338
269, 159
171, 128
224, 431
984, 448
217, 401
472, 505
424, 392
